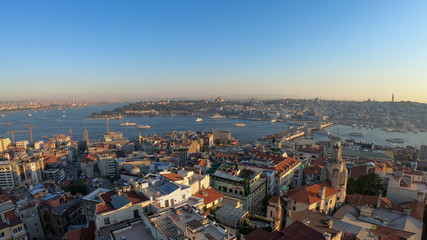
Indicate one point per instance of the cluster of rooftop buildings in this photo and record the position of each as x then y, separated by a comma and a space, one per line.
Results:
201, 185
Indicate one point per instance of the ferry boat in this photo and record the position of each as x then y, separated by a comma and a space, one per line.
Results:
29, 115
354, 125
395, 140
64, 116
3, 115
127, 124
273, 121
217, 116
144, 126
199, 120
357, 134
240, 125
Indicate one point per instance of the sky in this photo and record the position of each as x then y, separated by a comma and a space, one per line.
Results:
125, 50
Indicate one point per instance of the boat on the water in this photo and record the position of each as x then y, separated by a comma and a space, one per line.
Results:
273, 121
357, 134
144, 126
64, 116
3, 115
127, 124
395, 140
217, 116
29, 115
240, 125
199, 120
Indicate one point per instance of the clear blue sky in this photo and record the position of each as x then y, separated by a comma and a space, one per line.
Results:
145, 49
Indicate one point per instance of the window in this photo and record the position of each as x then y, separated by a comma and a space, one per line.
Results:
106, 221
2, 235
136, 213
183, 196
294, 208
17, 230
166, 203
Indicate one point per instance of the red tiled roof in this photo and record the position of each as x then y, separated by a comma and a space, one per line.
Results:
286, 165
385, 233
298, 230
262, 156
106, 197
173, 176
202, 163
320, 161
365, 200
310, 194
88, 158
316, 169
4, 198
104, 207
417, 210
309, 149
51, 160
82, 233
208, 195
260, 233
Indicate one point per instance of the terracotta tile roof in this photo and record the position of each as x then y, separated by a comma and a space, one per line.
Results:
12, 217
82, 233
417, 210
309, 194
173, 176
262, 156
320, 161
260, 233
51, 160
310, 171
202, 163
385, 233
286, 165
4, 198
135, 198
208, 195
88, 158
298, 230
310, 149
275, 199
365, 200
106, 206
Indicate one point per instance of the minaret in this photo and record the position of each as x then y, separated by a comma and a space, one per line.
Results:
392, 97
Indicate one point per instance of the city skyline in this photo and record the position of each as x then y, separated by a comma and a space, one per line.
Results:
156, 50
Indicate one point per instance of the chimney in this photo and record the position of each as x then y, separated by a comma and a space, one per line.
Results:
380, 196
322, 192
330, 222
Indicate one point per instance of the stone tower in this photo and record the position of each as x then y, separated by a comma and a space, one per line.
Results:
336, 172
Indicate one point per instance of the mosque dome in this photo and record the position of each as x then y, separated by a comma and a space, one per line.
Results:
135, 171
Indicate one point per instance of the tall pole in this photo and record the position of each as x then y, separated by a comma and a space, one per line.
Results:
108, 127
31, 134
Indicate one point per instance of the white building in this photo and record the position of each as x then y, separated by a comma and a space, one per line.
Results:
403, 189
22, 144
4, 143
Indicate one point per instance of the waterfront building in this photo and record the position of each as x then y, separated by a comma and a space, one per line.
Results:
22, 144
423, 153
222, 135
4, 143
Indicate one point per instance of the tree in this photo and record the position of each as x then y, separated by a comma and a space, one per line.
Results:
369, 184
